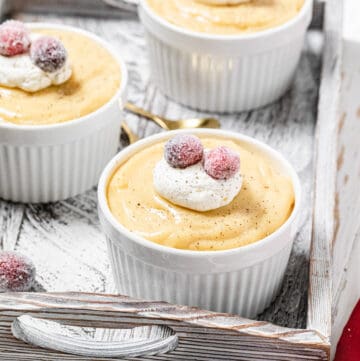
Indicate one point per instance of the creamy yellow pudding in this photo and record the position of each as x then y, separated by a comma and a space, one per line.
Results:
263, 204
96, 76
252, 16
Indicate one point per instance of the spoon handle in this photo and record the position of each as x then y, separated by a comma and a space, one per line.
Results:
144, 113
129, 133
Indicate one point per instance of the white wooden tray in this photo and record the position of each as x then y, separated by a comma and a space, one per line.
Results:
68, 248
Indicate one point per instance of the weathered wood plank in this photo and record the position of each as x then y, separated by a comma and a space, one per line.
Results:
98, 8
320, 293
11, 219
346, 245
202, 335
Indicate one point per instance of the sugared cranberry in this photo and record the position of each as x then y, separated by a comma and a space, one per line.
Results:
17, 272
14, 38
183, 151
48, 53
221, 163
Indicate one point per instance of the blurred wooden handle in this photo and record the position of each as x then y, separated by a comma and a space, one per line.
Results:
102, 8
95, 8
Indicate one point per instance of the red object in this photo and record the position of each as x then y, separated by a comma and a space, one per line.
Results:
221, 163
17, 272
48, 53
14, 38
183, 150
348, 348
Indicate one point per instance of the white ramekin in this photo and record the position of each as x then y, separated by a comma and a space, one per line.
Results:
45, 163
224, 73
242, 281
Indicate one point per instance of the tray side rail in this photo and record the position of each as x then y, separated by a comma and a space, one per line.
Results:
202, 334
326, 153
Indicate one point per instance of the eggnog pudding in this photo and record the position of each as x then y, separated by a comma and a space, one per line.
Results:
226, 16
80, 77
203, 194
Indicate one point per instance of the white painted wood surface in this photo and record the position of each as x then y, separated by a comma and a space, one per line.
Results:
71, 7
320, 288
346, 245
64, 239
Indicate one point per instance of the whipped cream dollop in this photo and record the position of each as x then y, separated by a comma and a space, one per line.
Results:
19, 71
193, 188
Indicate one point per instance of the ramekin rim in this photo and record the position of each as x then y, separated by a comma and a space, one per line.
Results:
205, 36
109, 169
70, 123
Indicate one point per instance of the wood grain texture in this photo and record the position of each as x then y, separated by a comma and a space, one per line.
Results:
64, 238
98, 8
346, 245
94, 342
202, 335
320, 292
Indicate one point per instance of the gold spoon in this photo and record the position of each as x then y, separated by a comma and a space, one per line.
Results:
129, 136
174, 124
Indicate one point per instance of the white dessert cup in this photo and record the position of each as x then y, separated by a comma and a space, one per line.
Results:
224, 73
243, 280
45, 163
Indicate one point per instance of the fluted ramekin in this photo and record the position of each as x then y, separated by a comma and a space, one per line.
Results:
224, 73
45, 163
242, 280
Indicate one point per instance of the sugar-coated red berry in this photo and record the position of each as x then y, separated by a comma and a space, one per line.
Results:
183, 150
48, 53
17, 272
14, 38
221, 163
